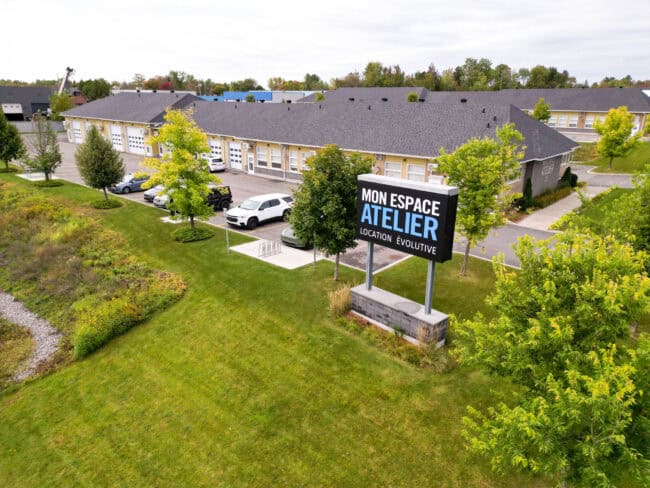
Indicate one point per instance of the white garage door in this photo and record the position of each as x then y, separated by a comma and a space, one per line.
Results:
116, 137
135, 140
76, 132
234, 155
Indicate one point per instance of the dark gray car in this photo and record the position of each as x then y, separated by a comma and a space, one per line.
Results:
128, 184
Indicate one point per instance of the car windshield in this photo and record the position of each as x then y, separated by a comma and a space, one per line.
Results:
249, 205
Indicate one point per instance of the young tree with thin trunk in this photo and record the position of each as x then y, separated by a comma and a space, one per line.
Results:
46, 156
616, 138
99, 164
542, 111
181, 171
324, 211
480, 169
580, 411
11, 144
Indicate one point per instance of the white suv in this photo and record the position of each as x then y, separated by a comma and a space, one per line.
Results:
261, 208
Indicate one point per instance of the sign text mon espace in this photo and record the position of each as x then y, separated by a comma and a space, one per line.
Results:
412, 217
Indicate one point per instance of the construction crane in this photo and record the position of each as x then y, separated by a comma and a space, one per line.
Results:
68, 73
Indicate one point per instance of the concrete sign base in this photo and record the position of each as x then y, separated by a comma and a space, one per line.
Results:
396, 312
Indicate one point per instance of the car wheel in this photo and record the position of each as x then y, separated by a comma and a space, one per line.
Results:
252, 223
286, 214
126, 189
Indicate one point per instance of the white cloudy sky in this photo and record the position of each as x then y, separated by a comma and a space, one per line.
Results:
232, 40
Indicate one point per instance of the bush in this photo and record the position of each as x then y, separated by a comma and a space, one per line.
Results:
340, 302
585, 153
568, 178
10, 169
526, 201
103, 204
187, 234
48, 183
552, 196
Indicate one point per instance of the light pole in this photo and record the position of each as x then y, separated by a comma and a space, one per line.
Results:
225, 207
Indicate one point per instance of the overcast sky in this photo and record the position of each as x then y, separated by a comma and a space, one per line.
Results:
115, 39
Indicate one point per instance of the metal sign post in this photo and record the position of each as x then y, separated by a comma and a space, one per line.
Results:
369, 265
428, 298
225, 208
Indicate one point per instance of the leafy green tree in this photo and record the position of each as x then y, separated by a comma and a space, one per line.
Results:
247, 84
276, 83
480, 169
542, 110
183, 174
616, 138
11, 144
554, 336
319, 97
325, 207
99, 164
95, 89
59, 103
313, 82
412, 97
45, 154
250, 98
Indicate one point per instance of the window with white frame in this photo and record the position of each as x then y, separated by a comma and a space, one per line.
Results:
393, 169
561, 121
262, 158
304, 157
552, 121
573, 121
276, 159
293, 161
415, 172
215, 149
589, 122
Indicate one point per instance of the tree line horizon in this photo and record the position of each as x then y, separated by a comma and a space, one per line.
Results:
474, 74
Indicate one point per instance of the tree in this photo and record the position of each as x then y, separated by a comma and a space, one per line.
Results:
276, 83
245, 85
182, 173
412, 97
558, 320
11, 144
542, 110
46, 156
99, 164
616, 138
480, 169
324, 210
319, 97
59, 103
138, 80
313, 82
352, 79
95, 89
250, 97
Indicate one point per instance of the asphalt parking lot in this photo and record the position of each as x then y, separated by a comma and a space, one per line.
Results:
242, 186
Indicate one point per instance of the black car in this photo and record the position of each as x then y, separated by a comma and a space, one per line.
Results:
220, 197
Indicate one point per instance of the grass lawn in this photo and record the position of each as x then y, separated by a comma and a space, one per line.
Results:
246, 382
635, 161
15, 347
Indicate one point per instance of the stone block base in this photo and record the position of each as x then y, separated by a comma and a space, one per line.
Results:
396, 312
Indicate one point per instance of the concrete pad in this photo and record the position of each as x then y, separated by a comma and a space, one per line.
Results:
35, 176
288, 257
542, 219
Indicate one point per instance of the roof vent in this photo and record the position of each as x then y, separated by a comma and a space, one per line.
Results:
235, 105
488, 125
351, 99
384, 99
320, 105
171, 91
483, 111
368, 107
463, 100
288, 108
154, 91
494, 118
138, 90
420, 99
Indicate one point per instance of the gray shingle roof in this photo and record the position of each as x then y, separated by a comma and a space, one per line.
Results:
413, 129
29, 97
570, 99
369, 94
132, 107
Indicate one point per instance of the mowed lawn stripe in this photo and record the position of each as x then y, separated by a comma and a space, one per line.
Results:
243, 382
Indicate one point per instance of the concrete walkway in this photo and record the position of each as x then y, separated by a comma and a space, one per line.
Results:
543, 218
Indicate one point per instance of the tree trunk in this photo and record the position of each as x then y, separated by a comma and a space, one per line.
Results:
47, 176
336, 267
192, 222
611, 158
465, 259
105, 194
6, 165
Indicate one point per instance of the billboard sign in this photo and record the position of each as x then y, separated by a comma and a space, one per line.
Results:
410, 216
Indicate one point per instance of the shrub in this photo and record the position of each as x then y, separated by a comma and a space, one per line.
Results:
412, 97
568, 178
187, 234
10, 169
525, 202
550, 197
340, 302
585, 153
48, 183
103, 204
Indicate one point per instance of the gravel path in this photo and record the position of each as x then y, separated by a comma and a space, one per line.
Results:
46, 338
